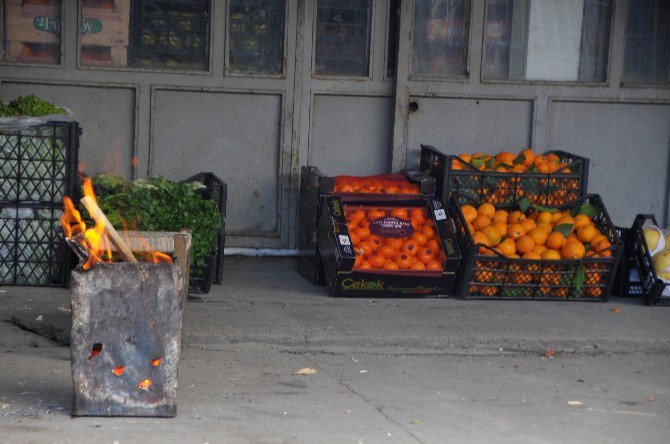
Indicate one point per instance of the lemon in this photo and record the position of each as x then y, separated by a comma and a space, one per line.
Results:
661, 261
654, 238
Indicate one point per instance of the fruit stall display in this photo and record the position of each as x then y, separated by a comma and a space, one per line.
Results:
645, 266
527, 251
552, 178
387, 248
315, 187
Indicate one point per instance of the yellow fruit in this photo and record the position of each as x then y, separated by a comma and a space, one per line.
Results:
661, 261
654, 238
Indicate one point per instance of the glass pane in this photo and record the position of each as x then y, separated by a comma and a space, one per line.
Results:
256, 36
394, 30
647, 57
31, 32
440, 38
146, 33
546, 40
342, 37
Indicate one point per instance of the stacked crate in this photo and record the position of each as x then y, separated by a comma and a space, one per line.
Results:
33, 31
486, 273
38, 168
104, 32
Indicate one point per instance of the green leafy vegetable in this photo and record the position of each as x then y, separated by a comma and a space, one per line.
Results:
29, 105
157, 204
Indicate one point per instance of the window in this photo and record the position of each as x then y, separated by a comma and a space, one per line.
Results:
145, 33
647, 53
342, 43
440, 37
256, 36
551, 40
392, 43
32, 32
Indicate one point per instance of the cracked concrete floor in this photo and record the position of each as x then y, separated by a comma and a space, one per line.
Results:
249, 393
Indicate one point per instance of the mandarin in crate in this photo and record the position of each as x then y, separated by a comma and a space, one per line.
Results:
376, 260
410, 247
555, 240
469, 212
417, 266
573, 250
515, 231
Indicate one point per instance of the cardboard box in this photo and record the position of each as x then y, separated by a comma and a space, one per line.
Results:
343, 279
104, 26
32, 23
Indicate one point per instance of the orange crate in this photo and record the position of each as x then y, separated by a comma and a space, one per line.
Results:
96, 55
29, 52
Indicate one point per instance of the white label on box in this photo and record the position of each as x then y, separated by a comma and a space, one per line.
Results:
440, 215
344, 239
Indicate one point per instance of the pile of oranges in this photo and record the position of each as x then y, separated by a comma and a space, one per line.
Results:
420, 251
542, 235
508, 162
383, 184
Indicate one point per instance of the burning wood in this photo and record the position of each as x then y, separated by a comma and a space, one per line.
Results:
93, 245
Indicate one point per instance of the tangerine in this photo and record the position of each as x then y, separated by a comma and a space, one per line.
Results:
515, 231
525, 244
493, 235
375, 214
425, 255
365, 265
362, 232
403, 261
434, 265
410, 247
500, 216
555, 240
394, 243
429, 232
419, 238
389, 265
544, 216
533, 255
376, 260
355, 238
480, 238
433, 244
551, 255
516, 217
374, 241
363, 248
386, 251
539, 235
400, 213
507, 247
586, 233
573, 250
581, 220
417, 266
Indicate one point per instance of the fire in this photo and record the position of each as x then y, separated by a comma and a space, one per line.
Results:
96, 240
118, 370
156, 362
144, 385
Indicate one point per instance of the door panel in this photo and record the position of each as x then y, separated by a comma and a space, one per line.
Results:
351, 134
457, 125
628, 145
235, 136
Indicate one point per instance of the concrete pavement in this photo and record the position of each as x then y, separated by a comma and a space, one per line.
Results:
430, 370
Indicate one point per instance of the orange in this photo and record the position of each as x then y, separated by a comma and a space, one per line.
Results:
363, 248
597, 239
425, 255
465, 156
515, 231
400, 213
528, 224
555, 240
581, 220
394, 243
480, 238
376, 260
515, 217
539, 249
355, 238
529, 155
505, 157
357, 216
545, 226
573, 250
471, 229
594, 292
532, 255
507, 247
469, 212
434, 265
417, 216
365, 265
492, 234
390, 265
433, 244
417, 266
419, 238
403, 261
518, 168
386, 251
539, 235
501, 227
556, 216
571, 237
410, 247
602, 248
376, 213
500, 216
486, 209
374, 241
362, 232
586, 233
525, 244
544, 216
551, 255
429, 231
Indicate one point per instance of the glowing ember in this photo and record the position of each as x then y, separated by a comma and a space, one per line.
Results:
118, 370
96, 240
95, 351
156, 362
144, 385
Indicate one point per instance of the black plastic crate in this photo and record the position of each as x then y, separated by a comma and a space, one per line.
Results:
637, 276
314, 188
216, 190
38, 164
33, 251
499, 188
170, 32
493, 276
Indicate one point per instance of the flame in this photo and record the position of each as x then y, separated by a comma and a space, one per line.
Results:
95, 240
135, 162
144, 385
156, 362
118, 370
